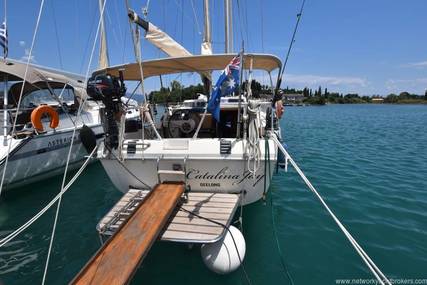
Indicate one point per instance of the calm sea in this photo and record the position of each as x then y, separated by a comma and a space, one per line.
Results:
369, 162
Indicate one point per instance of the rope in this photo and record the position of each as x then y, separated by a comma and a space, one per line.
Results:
127, 169
252, 148
382, 279
70, 149
20, 95
19, 230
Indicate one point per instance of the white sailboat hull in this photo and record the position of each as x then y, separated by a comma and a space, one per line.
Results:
41, 156
206, 169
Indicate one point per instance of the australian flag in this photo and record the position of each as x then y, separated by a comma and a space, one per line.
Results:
227, 83
3, 39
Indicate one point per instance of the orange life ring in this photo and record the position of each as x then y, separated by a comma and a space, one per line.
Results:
36, 117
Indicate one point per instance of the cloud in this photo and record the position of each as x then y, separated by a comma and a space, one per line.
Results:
414, 85
419, 64
313, 80
22, 43
27, 55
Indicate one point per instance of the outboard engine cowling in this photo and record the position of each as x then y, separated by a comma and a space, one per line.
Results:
109, 89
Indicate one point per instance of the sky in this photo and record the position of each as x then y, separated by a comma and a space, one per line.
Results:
364, 46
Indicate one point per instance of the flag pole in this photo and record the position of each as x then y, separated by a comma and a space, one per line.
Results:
5, 95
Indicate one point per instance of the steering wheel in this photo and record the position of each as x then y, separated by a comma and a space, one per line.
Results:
183, 124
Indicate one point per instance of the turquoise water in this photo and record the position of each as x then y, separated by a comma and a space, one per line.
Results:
369, 162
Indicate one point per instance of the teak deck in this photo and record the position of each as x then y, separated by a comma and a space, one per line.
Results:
120, 256
183, 226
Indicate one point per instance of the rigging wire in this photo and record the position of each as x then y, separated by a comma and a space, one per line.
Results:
245, 21
21, 93
92, 26
71, 147
137, 51
241, 25
292, 42
113, 29
187, 17
52, 7
261, 7
145, 10
262, 25
58, 46
195, 18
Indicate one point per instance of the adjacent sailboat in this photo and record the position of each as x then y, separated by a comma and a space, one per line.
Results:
37, 146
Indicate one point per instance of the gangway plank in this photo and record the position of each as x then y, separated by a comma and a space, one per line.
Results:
117, 260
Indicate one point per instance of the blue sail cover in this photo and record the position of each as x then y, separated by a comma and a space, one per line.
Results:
227, 83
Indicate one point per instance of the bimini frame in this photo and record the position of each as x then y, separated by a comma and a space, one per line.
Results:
196, 63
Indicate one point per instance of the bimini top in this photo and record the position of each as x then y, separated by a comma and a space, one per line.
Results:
196, 63
15, 71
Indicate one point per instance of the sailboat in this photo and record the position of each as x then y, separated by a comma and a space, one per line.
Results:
226, 156
219, 153
36, 147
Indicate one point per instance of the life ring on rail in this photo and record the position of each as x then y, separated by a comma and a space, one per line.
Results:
37, 114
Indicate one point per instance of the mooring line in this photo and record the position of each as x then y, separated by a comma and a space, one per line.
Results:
382, 279
64, 177
19, 230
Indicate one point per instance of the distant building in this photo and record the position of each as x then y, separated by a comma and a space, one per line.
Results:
293, 98
377, 100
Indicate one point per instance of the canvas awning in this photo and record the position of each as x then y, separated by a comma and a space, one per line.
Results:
15, 71
196, 63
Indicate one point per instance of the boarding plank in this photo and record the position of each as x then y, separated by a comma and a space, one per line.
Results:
120, 256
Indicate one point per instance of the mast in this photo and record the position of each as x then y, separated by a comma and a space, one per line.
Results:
207, 41
103, 52
228, 27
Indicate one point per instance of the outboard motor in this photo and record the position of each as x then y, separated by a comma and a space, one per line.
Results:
109, 89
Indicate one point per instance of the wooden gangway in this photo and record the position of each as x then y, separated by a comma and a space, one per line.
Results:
116, 261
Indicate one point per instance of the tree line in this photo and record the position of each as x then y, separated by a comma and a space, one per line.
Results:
176, 92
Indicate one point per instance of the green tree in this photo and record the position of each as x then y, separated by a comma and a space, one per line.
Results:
391, 98
175, 85
404, 95
305, 92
